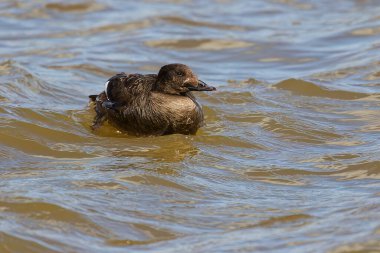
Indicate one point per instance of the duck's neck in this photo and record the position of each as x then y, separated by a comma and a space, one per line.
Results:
157, 86
190, 95
166, 87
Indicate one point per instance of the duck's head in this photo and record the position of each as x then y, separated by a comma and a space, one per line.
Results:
177, 79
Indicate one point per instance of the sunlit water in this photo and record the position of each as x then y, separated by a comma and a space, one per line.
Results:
288, 160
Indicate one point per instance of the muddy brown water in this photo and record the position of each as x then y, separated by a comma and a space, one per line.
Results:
288, 160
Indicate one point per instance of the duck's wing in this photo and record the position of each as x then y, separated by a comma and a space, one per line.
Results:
120, 92
93, 98
114, 85
121, 88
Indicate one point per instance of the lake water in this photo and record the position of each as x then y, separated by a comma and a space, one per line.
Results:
289, 159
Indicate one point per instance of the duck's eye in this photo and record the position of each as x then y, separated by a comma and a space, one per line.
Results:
179, 73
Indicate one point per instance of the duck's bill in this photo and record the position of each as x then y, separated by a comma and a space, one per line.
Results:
202, 86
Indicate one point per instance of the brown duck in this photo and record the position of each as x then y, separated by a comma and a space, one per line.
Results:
152, 104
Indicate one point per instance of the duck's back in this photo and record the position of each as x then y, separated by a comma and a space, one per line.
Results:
122, 87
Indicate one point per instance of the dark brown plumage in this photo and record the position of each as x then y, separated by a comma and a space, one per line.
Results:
152, 104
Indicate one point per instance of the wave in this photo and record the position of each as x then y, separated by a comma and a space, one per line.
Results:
304, 88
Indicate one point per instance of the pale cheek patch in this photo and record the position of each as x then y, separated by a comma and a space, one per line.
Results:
106, 88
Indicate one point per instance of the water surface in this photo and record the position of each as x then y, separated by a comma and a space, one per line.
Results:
288, 160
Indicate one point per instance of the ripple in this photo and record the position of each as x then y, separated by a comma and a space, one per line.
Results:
296, 4
368, 31
152, 180
35, 147
338, 157
290, 60
294, 130
199, 44
37, 10
338, 74
175, 20
304, 88
369, 246
173, 148
11, 243
238, 98
89, 68
100, 185
284, 219
246, 117
82, 7
364, 170
152, 233
270, 176
49, 213
121, 27
217, 140
292, 219
368, 117
373, 76
20, 86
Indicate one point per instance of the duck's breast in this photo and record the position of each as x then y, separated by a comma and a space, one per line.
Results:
184, 113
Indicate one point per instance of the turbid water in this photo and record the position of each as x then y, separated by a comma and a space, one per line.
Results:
288, 161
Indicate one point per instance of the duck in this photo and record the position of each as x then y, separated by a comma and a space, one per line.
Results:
152, 104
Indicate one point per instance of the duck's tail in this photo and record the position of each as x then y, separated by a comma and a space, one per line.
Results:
93, 97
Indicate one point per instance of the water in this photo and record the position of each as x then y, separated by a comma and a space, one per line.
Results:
288, 160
